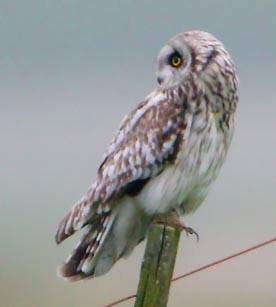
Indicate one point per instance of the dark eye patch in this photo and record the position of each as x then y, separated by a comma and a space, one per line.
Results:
174, 55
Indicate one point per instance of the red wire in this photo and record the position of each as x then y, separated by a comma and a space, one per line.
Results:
248, 250
245, 251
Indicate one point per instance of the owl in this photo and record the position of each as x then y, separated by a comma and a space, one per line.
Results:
163, 158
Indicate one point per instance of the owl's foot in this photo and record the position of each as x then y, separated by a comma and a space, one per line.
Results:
190, 231
172, 219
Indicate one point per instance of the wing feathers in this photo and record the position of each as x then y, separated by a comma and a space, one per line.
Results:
144, 150
72, 221
148, 139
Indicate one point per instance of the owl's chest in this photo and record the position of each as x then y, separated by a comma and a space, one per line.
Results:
200, 160
204, 149
200, 157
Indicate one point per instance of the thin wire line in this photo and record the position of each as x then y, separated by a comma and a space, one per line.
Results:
245, 251
248, 250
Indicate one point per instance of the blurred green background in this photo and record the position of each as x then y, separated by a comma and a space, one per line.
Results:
69, 71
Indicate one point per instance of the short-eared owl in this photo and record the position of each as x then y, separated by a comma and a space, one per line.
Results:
163, 158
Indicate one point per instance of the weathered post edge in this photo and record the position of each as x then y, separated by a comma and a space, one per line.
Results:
157, 266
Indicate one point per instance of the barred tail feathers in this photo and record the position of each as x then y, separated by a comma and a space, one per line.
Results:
111, 237
77, 265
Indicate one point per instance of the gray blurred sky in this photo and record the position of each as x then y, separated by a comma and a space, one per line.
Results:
69, 71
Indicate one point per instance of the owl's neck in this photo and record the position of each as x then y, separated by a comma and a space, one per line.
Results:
198, 96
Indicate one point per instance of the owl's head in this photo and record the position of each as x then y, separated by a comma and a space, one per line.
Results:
186, 53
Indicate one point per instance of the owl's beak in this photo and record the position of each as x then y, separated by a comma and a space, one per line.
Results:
160, 80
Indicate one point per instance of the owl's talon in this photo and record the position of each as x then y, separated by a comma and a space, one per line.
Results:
173, 220
190, 231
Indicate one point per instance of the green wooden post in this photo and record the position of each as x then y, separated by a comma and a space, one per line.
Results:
157, 266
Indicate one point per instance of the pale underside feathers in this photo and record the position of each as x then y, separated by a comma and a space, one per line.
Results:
163, 157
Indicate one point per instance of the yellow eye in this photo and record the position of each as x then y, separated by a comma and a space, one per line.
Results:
175, 60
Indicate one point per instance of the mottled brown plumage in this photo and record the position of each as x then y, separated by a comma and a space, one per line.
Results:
164, 156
